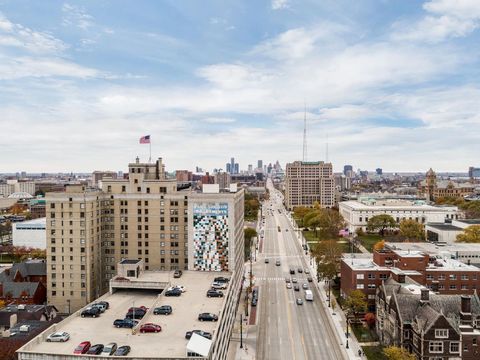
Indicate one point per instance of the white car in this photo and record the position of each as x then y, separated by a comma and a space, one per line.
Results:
179, 287
58, 337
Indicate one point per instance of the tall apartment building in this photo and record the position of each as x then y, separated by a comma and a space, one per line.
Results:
309, 182
223, 179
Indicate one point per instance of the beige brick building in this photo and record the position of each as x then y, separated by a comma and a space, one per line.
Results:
309, 182
90, 231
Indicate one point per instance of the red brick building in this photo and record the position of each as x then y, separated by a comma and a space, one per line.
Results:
24, 283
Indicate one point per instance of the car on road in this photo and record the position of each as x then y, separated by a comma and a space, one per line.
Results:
95, 349
287, 280
300, 270
305, 286
219, 285
309, 279
205, 334
207, 317
214, 293
286, 230
58, 337
267, 260
125, 323
306, 271
82, 348
277, 262
289, 285
163, 310
296, 287
90, 312
150, 327
122, 350
109, 349
173, 292
177, 274
294, 280
292, 271
299, 301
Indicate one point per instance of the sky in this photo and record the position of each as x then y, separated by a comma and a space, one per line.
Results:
386, 83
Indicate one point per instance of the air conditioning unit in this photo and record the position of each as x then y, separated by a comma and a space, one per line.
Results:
25, 328
21, 307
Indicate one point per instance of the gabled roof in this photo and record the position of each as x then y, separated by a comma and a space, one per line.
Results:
30, 268
17, 288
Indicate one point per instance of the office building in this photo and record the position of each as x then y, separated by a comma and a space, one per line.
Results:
447, 232
379, 171
473, 172
309, 182
15, 186
260, 164
357, 212
348, 171
31, 233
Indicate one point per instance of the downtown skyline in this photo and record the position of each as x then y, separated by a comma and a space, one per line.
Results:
392, 83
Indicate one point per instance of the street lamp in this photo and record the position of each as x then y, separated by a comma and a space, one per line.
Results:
329, 293
241, 332
346, 345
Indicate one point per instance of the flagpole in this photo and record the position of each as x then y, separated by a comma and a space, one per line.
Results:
150, 146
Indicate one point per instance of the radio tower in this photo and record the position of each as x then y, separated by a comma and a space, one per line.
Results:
305, 134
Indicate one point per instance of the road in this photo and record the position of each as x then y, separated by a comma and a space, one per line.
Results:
287, 330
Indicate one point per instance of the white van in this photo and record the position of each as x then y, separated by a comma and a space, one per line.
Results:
308, 295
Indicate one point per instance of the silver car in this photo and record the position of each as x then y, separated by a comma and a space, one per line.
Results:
58, 337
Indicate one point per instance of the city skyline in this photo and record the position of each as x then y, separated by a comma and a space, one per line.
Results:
392, 83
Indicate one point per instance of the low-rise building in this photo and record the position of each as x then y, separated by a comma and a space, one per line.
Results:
24, 283
446, 232
31, 233
357, 212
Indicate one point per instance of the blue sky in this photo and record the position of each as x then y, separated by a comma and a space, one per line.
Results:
393, 83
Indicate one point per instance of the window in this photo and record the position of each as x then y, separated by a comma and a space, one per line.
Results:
453, 277
124, 188
360, 276
383, 276
453, 287
430, 277
454, 347
441, 277
435, 346
360, 286
371, 276
372, 286
441, 333
464, 287
464, 277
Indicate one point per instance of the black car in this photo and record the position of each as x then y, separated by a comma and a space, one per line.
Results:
300, 270
125, 323
214, 293
173, 292
135, 314
90, 312
205, 334
122, 350
254, 301
207, 317
104, 303
221, 279
296, 288
95, 349
309, 279
292, 271
163, 310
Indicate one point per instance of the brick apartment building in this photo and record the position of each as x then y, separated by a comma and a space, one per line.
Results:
440, 274
431, 326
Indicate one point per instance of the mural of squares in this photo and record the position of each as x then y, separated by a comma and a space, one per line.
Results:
210, 237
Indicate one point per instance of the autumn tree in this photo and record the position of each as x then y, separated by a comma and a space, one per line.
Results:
470, 235
380, 223
379, 245
397, 353
356, 303
471, 209
328, 254
412, 230
370, 319
299, 213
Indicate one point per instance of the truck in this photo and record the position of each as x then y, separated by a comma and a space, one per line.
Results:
308, 295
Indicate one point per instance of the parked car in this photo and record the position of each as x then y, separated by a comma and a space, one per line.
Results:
221, 279
135, 314
163, 310
219, 285
139, 308
309, 279
100, 307
58, 337
109, 349
205, 334
305, 286
105, 303
82, 348
95, 349
177, 287
125, 323
254, 301
289, 285
173, 292
90, 312
150, 327
299, 301
207, 317
122, 350
177, 274
214, 293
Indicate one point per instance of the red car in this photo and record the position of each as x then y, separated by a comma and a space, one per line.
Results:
82, 348
149, 327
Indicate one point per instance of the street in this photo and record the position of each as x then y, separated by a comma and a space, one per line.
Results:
287, 330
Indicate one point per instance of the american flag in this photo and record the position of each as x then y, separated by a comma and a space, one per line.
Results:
145, 139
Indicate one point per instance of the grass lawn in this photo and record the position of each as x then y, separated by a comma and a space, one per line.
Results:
364, 334
312, 239
368, 240
374, 352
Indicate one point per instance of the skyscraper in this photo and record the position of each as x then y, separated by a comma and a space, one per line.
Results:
260, 164
348, 170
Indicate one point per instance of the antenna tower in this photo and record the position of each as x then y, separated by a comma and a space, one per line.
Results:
304, 158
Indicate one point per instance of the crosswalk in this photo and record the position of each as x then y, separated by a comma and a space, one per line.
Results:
270, 278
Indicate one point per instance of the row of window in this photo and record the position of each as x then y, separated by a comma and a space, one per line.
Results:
452, 277
372, 276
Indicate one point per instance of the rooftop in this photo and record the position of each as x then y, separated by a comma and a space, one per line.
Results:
444, 227
362, 262
396, 204
169, 343
35, 223
443, 263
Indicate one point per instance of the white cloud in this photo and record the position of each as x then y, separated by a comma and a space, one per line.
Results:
219, 120
280, 4
445, 19
76, 16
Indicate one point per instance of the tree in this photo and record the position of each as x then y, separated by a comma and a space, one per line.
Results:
470, 235
299, 213
381, 222
312, 219
412, 230
356, 303
370, 319
397, 353
328, 221
249, 234
471, 209
252, 205
379, 245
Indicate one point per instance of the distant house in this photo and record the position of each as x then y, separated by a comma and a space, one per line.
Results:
24, 283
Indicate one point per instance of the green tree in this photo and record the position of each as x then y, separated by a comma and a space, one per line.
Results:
470, 235
397, 353
312, 220
299, 213
356, 303
331, 222
252, 205
249, 234
412, 230
381, 222
471, 209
